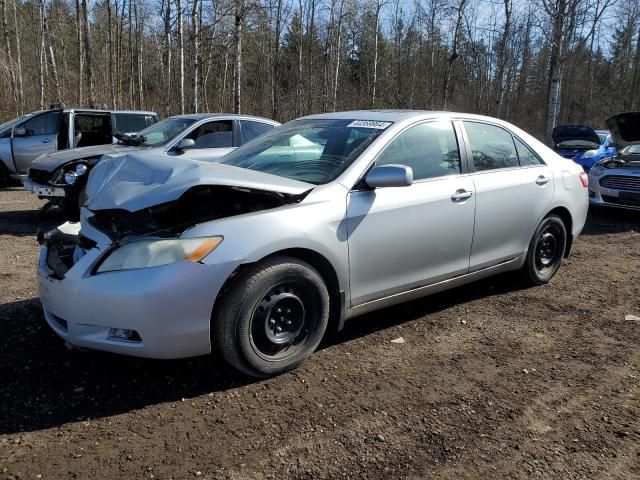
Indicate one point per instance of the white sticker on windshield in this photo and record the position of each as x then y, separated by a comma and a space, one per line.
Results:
369, 124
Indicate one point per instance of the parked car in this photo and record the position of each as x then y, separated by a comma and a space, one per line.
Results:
582, 144
256, 255
26, 138
615, 182
60, 177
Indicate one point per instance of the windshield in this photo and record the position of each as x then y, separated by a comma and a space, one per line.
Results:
314, 151
161, 132
631, 150
15, 121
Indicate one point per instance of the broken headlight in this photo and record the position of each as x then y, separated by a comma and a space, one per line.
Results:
153, 253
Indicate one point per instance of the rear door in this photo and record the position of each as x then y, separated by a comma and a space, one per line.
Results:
41, 135
406, 237
513, 190
250, 129
212, 139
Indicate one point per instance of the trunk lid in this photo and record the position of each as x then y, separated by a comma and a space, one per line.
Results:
575, 136
625, 129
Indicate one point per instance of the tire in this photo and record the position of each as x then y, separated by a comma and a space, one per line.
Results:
546, 251
4, 176
246, 330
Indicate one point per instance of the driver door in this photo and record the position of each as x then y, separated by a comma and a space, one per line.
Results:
407, 237
212, 140
41, 136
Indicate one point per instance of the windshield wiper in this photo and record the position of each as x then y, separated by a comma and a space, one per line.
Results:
133, 140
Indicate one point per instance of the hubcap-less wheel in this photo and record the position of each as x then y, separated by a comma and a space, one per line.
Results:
280, 323
546, 250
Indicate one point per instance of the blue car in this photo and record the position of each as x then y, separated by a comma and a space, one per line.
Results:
583, 145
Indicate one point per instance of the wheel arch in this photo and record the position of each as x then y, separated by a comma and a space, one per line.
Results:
337, 297
567, 219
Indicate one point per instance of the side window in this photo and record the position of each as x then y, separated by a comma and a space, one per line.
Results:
132, 122
251, 130
218, 134
526, 156
491, 146
43, 124
430, 149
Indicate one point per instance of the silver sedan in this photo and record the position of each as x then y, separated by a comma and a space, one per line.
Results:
320, 220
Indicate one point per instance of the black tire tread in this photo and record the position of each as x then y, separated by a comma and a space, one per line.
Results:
223, 336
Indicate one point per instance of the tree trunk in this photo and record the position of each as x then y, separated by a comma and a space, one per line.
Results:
237, 98
52, 58
195, 41
19, 88
7, 52
166, 55
112, 92
87, 52
454, 55
555, 70
180, 56
80, 53
502, 58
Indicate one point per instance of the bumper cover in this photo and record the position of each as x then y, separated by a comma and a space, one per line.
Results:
42, 190
169, 306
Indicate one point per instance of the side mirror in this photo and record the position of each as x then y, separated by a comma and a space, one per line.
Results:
185, 144
390, 176
19, 132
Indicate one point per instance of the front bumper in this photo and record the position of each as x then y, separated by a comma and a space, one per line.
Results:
168, 306
42, 190
609, 197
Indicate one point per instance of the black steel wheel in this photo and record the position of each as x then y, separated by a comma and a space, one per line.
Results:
272, 318
546, 250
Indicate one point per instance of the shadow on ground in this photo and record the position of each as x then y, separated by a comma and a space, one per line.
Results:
28, 222
48, 385
603, 220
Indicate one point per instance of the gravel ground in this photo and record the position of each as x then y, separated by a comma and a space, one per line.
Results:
494, 380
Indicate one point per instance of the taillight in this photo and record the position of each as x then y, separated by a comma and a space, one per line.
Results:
584, 178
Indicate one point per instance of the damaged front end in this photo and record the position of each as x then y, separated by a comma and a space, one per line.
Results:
65, 245
198, 204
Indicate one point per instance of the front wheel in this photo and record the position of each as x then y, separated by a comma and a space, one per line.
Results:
272, 318
546, 250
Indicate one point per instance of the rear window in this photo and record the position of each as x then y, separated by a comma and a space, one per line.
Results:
132, 123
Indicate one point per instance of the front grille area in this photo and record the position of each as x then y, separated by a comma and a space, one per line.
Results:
621, 182
621, 201
39, 176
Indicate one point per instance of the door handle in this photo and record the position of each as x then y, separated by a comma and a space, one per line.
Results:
45, 141
542, 180
461, 194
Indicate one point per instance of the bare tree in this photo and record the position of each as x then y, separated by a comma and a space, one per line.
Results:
87, 51
454, 55
180, 56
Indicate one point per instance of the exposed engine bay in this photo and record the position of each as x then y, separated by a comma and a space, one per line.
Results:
198, 204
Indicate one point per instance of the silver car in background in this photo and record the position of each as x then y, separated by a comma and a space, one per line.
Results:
26, 138
615, 182
61, 176
320, 220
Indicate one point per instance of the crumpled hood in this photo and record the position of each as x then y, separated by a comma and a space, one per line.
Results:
51, 161
132, 182
625, 129
566, 133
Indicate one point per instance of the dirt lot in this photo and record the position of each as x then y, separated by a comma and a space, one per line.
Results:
494, 381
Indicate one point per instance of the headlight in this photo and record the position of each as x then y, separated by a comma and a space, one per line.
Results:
81, 169
596, 170
589, 153
70, 178
153, 253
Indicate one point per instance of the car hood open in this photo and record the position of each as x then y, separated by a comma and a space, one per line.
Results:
625, 129
567, 133
133, 182
52, 161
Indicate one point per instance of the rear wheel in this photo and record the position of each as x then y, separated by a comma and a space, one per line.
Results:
546, 250
272, 318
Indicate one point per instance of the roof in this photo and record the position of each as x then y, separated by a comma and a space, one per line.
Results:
397, 115
91, 110
205, 116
